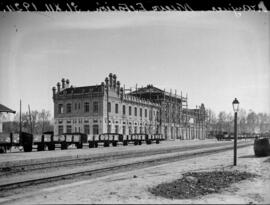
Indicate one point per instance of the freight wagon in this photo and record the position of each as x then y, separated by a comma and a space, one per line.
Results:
8, 140
114, 139
50, 141
68, 139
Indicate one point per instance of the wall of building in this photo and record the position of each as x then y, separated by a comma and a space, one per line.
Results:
126, 122
155, 118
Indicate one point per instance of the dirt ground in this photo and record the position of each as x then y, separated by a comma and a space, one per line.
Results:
132, 187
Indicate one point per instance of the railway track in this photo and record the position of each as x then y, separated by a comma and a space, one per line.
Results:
118, 168
8, 170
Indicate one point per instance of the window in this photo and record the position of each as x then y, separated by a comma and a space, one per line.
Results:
109, 129
79, 106
135, 129
95, 129
150, 114
116, 108
145, 113
140, 112
60, 109
124, 130
95, 107
141, 130
129, 110
116, 129
60, 129
109, 107
69, 129
130, 130
135, 111
75, 106
86, 129
124, 109
68, 108
86, 107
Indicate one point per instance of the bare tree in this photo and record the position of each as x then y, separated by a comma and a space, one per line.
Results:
252, 121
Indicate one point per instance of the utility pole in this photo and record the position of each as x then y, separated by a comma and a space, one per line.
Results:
30, 118
107, 92
20, 120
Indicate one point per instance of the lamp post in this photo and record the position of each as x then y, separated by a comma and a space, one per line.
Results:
235, 105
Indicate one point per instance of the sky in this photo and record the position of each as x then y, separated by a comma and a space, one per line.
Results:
212, 56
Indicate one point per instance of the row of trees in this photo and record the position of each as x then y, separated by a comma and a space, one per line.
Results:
36, 122
248, 122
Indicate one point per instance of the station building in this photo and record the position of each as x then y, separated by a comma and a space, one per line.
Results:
107, 108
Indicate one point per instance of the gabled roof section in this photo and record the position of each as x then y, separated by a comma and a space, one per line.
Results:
81, 90
6, 109
147, 89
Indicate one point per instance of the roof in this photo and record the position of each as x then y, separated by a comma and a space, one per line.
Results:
154, 90
148, 89
81, 90
6, 109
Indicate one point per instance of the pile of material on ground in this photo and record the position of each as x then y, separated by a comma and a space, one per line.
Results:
194, 184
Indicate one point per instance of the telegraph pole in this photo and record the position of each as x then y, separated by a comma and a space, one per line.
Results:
107, 92
20, 118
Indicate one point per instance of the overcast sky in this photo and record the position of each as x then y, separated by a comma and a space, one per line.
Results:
212, 56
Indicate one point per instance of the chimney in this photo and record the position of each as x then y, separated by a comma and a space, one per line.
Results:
110, 77
121, 93
53, 89
58, 87
114, 81
63, 83
67, 83
118, 87
102, 87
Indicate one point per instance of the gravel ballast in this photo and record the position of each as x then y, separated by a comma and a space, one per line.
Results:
195, 184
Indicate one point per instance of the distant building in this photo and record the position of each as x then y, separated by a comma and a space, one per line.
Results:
4, 109
146, 110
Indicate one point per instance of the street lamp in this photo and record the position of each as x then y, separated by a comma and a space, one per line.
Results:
235, 104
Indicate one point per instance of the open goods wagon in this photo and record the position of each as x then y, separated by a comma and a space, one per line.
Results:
113, 138
49, 140
8, 140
